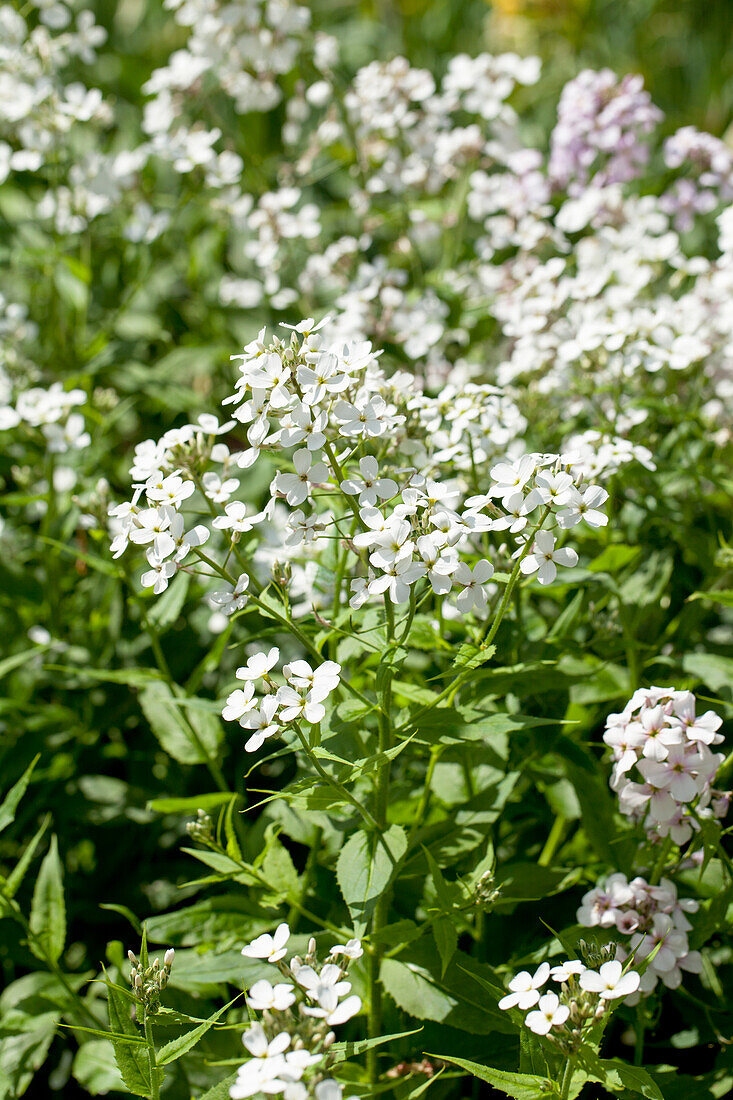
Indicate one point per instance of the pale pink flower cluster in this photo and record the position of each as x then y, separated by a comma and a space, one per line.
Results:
649, 916
664, 768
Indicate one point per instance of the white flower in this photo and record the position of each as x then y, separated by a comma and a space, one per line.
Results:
159, 574
296, 705
258, 665
238, 703
544, 558
471, 582
370, 486
508, 478
525, 988
352, 949
261, 722
263, 996
567, 970
548, 1014
172, 490
397, 580
269, 947
584, 506
610, 982
231, 599
236, 519
296, 487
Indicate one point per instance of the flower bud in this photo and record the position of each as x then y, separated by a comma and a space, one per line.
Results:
169, 957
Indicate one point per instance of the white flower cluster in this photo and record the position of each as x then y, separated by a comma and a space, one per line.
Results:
289, 1047
374, 463
653, 918
153, 517
50, 410
299, 699
583, 997
659, 737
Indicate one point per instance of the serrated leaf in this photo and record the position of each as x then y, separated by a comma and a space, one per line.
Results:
616, 1075
520, 1086
48, 908
350, 1049
221, 1090
365, 868
131, 1058
174, 1050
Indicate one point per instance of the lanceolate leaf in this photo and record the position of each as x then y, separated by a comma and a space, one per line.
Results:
174, 1050
14, 795
520, 1086
365, 869
48, 910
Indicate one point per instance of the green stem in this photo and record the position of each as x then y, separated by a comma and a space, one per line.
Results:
553, 842
381, 802
567, 1079
152, 1061
450, 691
661, 862
639, 1036
343, 791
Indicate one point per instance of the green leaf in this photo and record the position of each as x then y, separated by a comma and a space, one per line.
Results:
616, 1075
95, 1070
18, 659
190, 805
48, 909
131, 1058
351, 1049
711, 669
470, 656
456, 998
521, 1086
220, 1091
365, 868
722, 596
446, 940
10, 803
190, 739
16, 876
174, 1050
531, 882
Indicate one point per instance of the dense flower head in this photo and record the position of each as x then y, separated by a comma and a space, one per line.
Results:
664, 769
654, 923
368, 459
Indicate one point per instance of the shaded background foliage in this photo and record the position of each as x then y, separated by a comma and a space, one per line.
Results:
100, 763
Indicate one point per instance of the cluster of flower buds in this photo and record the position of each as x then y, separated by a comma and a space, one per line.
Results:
149, 982
660, 736
289, 1045
584, 995
486, 892
201, 829
655, 922
300, 698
